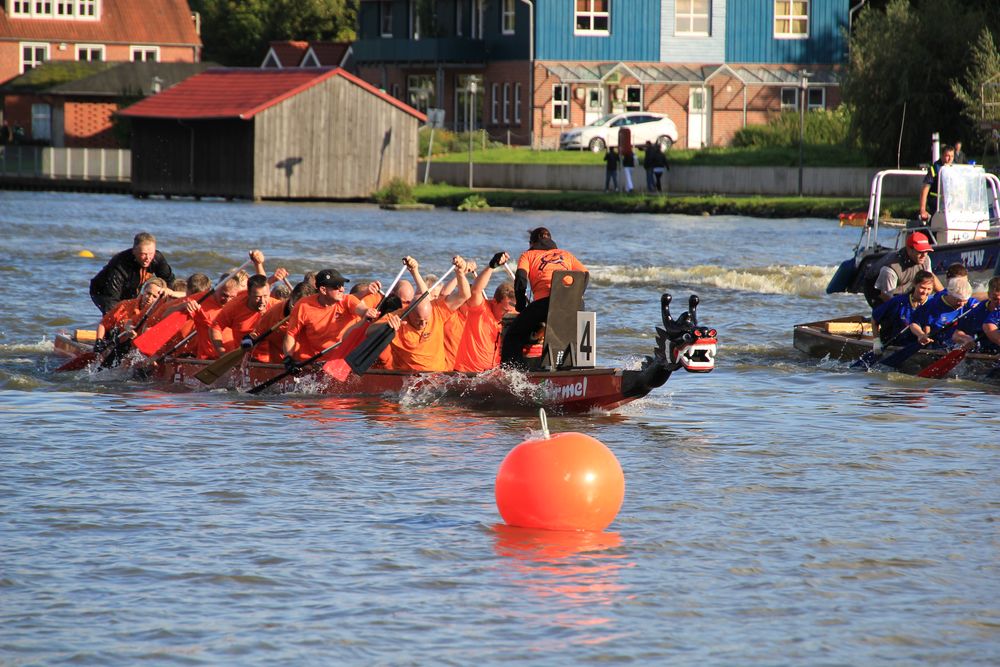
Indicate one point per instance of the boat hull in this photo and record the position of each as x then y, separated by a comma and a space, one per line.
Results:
814, 339
578, 390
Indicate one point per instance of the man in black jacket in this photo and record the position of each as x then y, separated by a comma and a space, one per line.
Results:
122, 277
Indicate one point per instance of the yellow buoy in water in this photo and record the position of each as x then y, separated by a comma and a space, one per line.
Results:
85, 253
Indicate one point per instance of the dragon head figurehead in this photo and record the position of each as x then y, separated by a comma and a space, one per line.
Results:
691, 347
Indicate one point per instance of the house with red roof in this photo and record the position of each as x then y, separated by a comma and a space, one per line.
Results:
309, 54
37, 31
253, 133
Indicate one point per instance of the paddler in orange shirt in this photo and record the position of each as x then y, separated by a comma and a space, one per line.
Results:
419, 341
320, 320
126, 314
479, 348
239, 317
455, 324
535, 266
269, 350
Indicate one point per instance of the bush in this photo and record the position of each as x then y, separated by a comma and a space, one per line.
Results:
828, 128
397, 192
446, 141
473, 202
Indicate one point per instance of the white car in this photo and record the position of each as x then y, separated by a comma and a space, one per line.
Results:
599, 135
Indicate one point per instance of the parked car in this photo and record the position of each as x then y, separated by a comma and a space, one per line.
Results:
645, 126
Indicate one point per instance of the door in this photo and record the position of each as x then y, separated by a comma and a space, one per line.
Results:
596, 105
699, 106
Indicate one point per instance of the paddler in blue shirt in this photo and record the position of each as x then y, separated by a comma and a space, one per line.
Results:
941, 311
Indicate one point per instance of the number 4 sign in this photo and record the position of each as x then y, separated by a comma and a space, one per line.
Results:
586, 339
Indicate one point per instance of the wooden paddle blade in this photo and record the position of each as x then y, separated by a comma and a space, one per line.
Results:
364, 355
944, 365
338, 369
155, 337
77, 362
220, 366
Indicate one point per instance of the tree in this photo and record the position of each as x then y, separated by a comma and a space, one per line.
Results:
237, 32
908, 56
979, 89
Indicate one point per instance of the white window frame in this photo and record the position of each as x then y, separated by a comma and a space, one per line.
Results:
385, 18
42, 8
42, 129
478, 29
20, 8
560, 103
685, 16
508, 11
459, 19
69, 6
821, 105
785, 16
494, 102
421, 83
593, 17
90, 47
517, 104
789, 106
34, 63
137, 49
506, 104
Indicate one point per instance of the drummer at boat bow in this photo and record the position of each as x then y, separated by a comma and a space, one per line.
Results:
122, 276
319, 321
893, 274
535, 266
929, 190
419, 341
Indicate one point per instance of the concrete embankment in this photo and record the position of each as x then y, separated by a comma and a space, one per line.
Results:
764, 181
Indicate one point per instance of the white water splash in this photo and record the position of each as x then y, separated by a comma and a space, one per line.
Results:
42, 346
801, 280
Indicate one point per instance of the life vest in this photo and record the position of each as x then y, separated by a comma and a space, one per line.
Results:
901, 264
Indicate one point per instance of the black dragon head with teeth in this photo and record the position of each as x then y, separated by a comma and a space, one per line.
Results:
680, 343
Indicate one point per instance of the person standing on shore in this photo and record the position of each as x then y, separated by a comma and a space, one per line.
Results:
649, 163
611, 161
628, 164
122, 276
660, 165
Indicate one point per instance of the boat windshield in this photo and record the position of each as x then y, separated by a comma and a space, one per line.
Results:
964, 191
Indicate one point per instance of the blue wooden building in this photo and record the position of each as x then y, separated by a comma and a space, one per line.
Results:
527, 70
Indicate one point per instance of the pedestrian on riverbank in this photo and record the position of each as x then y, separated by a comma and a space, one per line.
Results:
648, 163
611, 161
659, 166
628, 164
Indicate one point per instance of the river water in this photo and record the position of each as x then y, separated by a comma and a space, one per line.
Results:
780, 510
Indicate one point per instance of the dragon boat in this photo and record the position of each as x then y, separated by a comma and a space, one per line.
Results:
566, 383
847, 339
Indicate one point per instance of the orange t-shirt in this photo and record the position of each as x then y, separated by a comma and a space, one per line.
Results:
203, 319
235, 321
479, 349
269, 349
123, 313
423, 350
316, 327
453, 329
540, 264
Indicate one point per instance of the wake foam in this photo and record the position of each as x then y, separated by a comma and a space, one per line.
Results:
800, 280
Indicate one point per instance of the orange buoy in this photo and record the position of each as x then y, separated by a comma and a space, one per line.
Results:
569, 481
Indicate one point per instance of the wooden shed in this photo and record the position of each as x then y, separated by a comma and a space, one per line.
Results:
272, 134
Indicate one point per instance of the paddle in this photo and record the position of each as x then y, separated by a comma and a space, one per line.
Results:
364, 355
79, 361
896, 359
156, 336
143, 371
357, 335
123, 341
223, 364
943, 366
295, 367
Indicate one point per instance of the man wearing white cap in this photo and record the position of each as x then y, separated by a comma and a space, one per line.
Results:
941, 311
894, 273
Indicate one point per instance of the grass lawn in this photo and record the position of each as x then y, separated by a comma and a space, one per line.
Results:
814, 156
759, 207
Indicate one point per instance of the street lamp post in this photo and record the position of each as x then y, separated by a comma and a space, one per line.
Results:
804, 94
472, 122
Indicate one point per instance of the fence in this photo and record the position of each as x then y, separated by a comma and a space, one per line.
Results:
95, 165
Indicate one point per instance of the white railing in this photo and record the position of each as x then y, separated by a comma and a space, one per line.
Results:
77, 164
